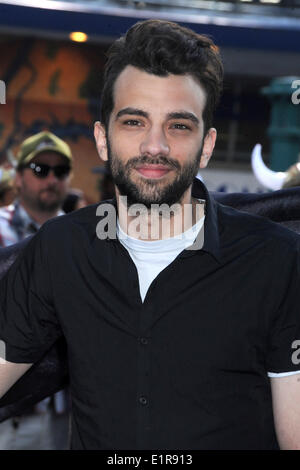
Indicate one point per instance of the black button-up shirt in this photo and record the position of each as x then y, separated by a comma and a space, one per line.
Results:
186, 368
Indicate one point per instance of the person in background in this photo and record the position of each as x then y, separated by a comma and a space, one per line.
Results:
42, 180
43, 172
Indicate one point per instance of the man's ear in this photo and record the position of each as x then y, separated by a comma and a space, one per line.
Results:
100, 138
208, 147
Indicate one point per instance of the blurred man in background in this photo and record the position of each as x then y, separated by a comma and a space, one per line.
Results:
44, 164
42, 180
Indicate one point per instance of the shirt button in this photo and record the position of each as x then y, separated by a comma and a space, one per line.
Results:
144, 341
143, 401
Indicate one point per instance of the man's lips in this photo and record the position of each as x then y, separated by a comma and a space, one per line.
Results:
49, 191
153, 171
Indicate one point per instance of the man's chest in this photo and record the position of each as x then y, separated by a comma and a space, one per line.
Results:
195, 349
197, 315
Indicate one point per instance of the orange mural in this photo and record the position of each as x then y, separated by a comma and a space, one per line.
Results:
56, 86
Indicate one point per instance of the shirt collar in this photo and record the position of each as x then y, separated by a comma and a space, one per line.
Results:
21, 220
208, 239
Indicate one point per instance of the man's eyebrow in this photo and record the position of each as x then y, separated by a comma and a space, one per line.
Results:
184, 115
132, 111
173, 115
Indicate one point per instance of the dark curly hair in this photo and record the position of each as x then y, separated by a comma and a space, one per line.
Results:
161, 48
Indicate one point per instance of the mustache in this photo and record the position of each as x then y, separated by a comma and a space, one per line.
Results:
157, 160
52, 189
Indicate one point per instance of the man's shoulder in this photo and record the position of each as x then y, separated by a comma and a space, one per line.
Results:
282, 207
85, 216
82, 222
245, 224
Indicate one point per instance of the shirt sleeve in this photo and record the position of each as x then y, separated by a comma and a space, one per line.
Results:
28, 322
283, 356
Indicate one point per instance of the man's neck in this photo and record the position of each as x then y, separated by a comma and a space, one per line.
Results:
154, 224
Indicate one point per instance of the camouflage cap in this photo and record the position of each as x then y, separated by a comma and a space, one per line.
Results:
42, 142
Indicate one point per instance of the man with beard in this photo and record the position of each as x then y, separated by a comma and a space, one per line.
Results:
181, 337
42, 180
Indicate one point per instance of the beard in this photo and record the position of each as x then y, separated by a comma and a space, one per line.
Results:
152, 191
40, 203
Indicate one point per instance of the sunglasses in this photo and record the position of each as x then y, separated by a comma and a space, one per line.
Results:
41, 170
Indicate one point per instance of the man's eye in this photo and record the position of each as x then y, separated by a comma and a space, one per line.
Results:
132, 122
177, 125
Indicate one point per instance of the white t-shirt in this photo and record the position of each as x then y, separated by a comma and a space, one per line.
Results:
151, 257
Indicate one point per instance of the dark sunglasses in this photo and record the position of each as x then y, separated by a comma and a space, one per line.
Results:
41, 170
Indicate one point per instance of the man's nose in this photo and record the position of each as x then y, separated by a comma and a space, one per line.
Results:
155, 143
51, 177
